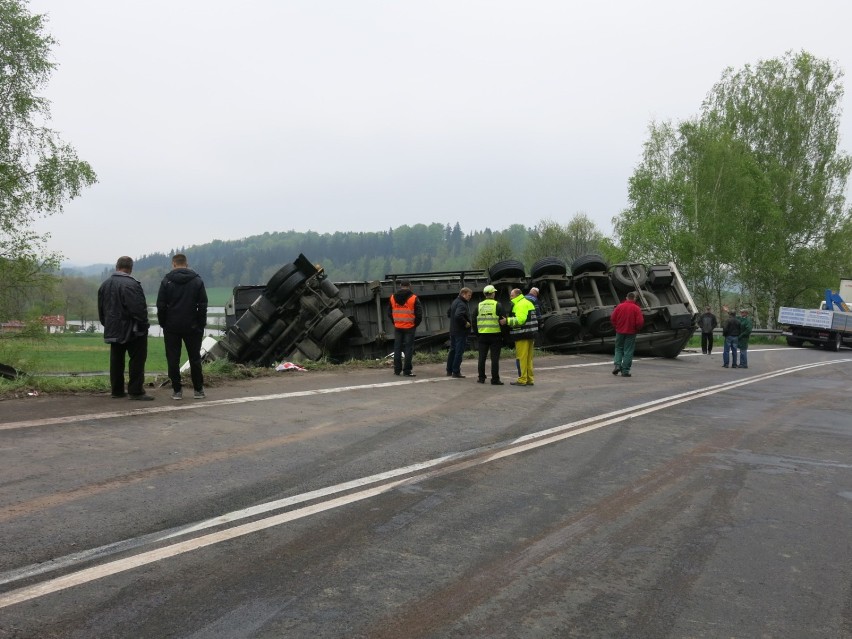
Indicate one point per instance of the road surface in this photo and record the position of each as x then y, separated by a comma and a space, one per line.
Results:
686, 501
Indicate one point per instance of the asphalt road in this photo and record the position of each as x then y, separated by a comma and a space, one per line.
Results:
686, 501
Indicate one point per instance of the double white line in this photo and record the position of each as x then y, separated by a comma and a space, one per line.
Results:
325, 499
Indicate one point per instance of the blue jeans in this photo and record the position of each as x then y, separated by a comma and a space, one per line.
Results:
403, 350
731, 343
456, 354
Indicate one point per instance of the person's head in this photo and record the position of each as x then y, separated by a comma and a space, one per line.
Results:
743, 312
706, 309
466, 293
534, 291
489, 290
632, 296
124, 264
179, 260
404, 284
514, 293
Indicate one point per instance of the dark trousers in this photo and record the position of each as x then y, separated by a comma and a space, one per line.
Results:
403, 350
173, 343
707, 343
137, 350
456, 354
490, 344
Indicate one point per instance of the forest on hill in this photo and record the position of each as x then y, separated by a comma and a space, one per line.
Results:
345, 256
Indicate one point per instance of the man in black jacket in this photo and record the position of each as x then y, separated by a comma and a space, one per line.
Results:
123, 311
459, 315
182, 313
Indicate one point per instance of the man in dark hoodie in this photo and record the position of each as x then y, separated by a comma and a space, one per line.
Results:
182, 313
406, 313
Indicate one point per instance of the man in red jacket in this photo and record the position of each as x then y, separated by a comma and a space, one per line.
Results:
628, 320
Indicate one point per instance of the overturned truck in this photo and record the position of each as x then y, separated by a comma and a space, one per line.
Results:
299, 314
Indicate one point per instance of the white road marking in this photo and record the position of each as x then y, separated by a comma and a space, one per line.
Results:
72, 419
439, 466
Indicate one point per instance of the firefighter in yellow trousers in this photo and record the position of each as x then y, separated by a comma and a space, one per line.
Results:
523, 326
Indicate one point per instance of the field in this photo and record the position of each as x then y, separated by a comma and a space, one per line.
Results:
77, 353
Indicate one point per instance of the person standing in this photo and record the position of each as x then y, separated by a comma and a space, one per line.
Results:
182, 313
123, 311
628, 320
459, 326
731, 332
524, 327
488, 315
406, 313
746, 327
707, 323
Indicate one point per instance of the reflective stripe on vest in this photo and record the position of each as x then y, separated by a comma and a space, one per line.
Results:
486, 318
403, 315
529, 329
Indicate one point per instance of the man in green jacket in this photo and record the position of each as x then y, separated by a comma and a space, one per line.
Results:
524, 327
745, 331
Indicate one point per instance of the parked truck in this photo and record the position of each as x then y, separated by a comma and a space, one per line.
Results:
299, 314
830, 329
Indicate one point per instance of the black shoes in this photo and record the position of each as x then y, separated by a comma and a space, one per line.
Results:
142, 398
626, 375
616, 370
496, 382
120, 396
409, 375
481, 380
458, 376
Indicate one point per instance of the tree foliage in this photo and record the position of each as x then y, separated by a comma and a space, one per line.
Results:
749, 195
38, 172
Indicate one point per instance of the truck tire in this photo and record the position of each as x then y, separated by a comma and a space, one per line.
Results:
319, 331
336, 332
588, 263
599, 324
548, 266
834, 344
507, 269
653, 300
561, 328
623, 274
280, 275
794, 341
283, 292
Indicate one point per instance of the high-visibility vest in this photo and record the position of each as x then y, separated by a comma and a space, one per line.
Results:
403, 314
525, 323
486, 317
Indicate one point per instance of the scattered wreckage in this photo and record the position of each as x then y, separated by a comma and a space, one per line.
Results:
299, 314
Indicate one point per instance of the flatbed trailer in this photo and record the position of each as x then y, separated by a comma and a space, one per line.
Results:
830, 329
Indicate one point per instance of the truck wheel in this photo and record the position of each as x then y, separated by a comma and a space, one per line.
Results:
653, 300
588, 263
561, 328
548, 266
507, 269
283, 292
834, 344
623, 274
599, 324
794, 341
278, 279
325, 324
337, 331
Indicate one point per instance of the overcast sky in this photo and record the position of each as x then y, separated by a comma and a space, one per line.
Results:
207, 119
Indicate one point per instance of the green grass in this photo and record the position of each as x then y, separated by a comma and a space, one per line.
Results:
78, 353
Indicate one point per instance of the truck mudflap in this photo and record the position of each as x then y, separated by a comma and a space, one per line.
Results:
300, 315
